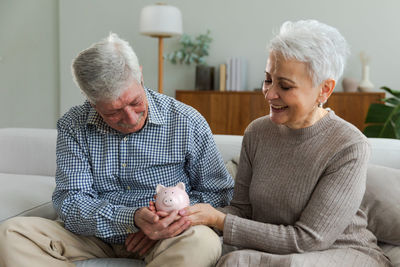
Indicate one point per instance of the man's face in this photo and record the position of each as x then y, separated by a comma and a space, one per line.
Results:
128, 113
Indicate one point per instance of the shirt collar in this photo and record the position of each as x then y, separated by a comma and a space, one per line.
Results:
155, 116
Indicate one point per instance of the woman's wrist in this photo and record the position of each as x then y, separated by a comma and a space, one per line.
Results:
220, 220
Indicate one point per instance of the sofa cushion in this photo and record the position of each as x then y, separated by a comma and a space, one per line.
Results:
385, 152
228, 145
382, 203
26, 195
392, 252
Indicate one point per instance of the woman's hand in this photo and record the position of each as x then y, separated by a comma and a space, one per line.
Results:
204, 214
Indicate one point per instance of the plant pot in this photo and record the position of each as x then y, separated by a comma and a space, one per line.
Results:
204, 78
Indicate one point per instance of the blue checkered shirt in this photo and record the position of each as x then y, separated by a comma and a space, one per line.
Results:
104, 176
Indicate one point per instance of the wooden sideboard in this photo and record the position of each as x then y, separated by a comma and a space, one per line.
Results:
231, 112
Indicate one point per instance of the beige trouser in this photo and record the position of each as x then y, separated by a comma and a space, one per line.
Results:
34, 241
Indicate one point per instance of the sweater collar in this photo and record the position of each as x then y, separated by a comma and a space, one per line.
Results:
308, 132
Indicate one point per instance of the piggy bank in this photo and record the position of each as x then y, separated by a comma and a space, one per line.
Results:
171, 198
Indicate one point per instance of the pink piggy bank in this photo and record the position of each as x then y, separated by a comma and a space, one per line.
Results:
171, 198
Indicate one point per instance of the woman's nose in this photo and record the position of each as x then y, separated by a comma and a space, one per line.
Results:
270, 92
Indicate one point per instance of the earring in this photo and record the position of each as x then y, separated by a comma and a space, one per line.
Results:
320, 104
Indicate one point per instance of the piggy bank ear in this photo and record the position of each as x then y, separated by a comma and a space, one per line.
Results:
181, 186
159, 188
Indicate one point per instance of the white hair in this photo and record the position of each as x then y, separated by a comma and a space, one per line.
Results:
320, 46
106, 68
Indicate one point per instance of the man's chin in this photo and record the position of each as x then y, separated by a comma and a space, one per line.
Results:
127, 129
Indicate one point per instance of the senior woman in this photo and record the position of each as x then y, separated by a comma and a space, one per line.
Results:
302, 170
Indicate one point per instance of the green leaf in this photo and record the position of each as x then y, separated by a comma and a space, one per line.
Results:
395, 122
373, 130
388, 131
191, 50
386, 117
392, 101
378, 113
396, 93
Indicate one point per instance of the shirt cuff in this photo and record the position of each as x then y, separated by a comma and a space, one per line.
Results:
125, 217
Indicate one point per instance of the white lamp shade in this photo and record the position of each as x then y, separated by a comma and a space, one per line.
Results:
160, 20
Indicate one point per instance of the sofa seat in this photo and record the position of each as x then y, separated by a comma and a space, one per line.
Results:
28, 166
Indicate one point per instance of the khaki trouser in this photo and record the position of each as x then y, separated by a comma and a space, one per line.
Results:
34, 241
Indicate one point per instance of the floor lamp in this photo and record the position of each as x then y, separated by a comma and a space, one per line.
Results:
160, 21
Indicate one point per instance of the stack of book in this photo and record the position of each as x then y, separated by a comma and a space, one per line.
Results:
232, 75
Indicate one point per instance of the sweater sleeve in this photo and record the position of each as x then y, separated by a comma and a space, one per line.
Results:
331, 208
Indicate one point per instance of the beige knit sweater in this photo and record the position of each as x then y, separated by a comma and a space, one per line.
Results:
300, 190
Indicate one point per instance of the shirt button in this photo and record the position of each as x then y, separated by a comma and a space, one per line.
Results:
124, 165
128, 187
125, 138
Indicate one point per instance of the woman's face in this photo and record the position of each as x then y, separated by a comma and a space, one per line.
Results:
289, 90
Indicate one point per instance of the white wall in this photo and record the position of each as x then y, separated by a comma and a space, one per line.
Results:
239, 28
29, 74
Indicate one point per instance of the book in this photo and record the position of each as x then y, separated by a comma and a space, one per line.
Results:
236, 74
228, 74
222, 77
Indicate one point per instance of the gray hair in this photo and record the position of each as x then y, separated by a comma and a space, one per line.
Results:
320, 46
106, 68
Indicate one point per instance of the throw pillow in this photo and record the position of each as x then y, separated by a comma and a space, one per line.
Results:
381, 202
232, 166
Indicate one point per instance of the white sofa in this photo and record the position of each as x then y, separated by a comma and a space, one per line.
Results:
28, 165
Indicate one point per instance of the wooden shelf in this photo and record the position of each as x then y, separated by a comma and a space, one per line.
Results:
231, 112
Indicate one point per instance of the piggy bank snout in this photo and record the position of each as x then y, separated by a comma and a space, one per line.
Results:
169, 201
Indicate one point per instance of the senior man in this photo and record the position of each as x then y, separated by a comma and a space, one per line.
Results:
112, 151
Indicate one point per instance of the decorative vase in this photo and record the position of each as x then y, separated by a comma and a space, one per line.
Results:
204, 78
349, 84
365, 85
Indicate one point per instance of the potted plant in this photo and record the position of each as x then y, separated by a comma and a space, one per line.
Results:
194, 51
384, 119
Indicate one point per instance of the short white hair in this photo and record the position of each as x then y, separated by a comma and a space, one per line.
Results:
105, 69
320, 46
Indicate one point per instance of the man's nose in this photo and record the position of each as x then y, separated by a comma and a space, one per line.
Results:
130, 116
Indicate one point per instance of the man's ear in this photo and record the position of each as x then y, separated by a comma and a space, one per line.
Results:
327, 89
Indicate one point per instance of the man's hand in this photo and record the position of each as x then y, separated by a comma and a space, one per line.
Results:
139, 242
157, 228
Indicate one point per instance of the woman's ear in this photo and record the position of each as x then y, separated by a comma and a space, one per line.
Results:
327, 89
